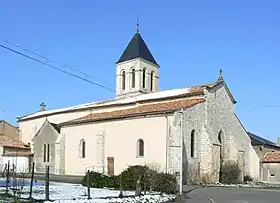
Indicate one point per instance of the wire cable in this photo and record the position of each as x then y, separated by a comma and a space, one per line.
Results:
51, 66
48, 59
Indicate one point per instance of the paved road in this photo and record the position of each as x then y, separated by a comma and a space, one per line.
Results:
233, 195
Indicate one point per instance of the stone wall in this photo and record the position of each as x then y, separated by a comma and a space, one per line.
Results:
100, 153
46, 135
220, 117
193, 122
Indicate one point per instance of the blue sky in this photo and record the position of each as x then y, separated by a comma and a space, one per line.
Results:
191, 40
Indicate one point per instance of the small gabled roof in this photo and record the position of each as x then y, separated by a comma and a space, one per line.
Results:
257, 140
137, 48
54, 126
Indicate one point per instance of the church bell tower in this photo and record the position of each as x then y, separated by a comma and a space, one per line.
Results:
137, 72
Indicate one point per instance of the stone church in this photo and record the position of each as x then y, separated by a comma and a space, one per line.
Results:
142, 125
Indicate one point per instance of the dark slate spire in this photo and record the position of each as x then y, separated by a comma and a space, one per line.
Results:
137, 48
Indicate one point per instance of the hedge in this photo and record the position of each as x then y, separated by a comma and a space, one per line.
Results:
149, 179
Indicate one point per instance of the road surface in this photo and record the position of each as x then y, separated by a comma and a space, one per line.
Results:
232, 195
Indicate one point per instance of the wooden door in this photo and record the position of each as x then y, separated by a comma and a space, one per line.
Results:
110, 164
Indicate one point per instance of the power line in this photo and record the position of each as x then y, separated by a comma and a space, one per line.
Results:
258, 107
49, 60
51, 66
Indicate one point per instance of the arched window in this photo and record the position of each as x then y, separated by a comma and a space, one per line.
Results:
152, 80
123, 80
193, 143
83, 149
133, 78
144, 78
46, 153
140, 148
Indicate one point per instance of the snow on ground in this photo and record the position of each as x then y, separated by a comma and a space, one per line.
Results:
145, 198
249, 185
66, 192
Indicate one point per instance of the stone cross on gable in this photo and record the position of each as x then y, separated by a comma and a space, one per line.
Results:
43, 106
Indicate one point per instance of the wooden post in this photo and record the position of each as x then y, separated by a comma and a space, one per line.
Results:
88, 184
121, 186
14, 177
32, 178
47, 183
8, 177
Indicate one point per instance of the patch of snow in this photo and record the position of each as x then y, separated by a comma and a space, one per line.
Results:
66, 192
247, 185
143, 97
145, 198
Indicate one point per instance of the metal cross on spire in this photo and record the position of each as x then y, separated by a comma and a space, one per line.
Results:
137, 26
221, 75
43, 106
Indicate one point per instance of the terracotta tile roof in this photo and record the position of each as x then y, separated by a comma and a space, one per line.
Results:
149, 108
271, 157
6, 141
161, 95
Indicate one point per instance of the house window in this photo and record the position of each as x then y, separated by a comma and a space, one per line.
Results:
83, 149
144, 78
123, 80
140, 148
133, 78
46, 154
152, 80
192, 143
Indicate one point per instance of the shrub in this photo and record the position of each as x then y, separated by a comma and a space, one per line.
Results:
248, 178
230, 173
132, 174
150, 179
98, 180
165, 183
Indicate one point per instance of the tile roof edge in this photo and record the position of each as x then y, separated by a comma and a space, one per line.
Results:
80, 120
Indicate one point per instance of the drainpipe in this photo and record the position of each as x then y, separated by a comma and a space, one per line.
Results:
167, 142
182, 150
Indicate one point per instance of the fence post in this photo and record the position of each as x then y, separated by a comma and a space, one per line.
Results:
8, 177
32, 178
47, 183
121, 186
88, 184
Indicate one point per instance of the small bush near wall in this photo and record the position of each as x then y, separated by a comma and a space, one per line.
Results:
98, 180
248, 178
149, 179
230, 173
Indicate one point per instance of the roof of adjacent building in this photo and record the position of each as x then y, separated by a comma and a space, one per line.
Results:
271, 157
137, 48
121, 102
6, 141
257, 140
140, 109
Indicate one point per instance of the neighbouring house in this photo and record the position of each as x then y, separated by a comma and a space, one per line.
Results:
13, 152
142, 125
262, 147
271, 167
